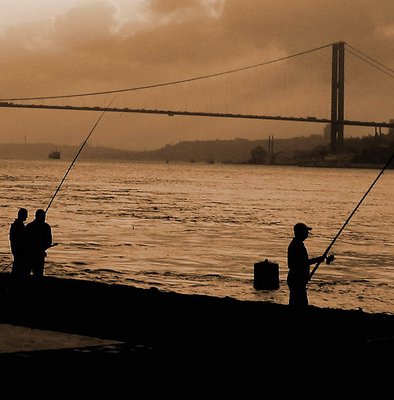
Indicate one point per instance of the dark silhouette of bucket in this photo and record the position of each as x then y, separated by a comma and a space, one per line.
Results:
266, 275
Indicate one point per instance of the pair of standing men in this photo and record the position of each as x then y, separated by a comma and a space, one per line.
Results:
29, 243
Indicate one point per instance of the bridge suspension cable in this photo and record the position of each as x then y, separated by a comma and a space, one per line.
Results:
371, 61
177, 82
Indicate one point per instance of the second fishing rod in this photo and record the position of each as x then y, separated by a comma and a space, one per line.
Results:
329, 259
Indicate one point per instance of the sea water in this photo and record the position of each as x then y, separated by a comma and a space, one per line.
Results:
199, 228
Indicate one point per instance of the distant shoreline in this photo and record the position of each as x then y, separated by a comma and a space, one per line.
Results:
311, 151
300, 165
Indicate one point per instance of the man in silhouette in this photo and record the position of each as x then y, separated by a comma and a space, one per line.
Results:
19, 244
299, 264
39, 237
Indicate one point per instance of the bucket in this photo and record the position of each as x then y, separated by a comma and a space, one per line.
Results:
266, 275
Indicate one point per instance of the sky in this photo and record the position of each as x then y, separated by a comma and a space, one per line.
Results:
56, 48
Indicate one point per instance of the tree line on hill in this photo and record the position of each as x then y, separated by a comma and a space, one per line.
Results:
374, 149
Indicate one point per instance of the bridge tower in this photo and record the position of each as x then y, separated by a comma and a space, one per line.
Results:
337, 96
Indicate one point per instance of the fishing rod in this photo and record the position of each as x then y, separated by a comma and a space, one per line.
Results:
76, 156
69, 168
329, 259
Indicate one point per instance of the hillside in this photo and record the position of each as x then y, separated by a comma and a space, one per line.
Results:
298, 150
237, 150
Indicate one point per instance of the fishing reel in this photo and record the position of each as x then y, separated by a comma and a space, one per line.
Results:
330, 259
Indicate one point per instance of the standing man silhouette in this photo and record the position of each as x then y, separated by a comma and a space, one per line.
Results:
39, 237
19, 244
299, 264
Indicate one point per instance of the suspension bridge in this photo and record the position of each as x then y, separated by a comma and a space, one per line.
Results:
337, 120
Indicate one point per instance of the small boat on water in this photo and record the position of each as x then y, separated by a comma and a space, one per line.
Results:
54, 155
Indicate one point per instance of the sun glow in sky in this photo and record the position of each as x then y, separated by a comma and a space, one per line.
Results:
53, 47
22, 11
14, 12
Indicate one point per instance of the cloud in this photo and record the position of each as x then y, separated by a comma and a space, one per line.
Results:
90, 23
93, 47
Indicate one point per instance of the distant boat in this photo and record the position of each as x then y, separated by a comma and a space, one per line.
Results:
54, 155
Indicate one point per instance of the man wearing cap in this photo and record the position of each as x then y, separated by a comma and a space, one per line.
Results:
299, 264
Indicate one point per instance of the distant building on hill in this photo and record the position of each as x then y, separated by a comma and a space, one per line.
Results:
391, 130
327, 132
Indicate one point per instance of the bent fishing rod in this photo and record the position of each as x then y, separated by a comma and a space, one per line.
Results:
350, 216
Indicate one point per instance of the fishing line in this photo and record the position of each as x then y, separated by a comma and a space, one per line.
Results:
351, 214
78, 153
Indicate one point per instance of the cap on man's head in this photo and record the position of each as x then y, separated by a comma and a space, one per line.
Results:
301, 227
